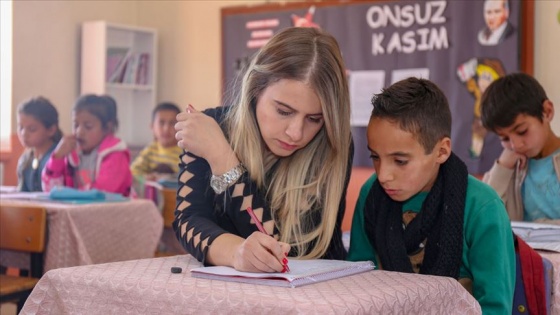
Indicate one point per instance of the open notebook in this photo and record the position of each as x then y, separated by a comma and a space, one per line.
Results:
538, 235
536, 232
302, 272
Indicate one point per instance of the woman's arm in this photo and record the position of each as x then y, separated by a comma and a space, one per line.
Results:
216, 229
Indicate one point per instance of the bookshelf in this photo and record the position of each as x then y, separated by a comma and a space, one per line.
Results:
120, 61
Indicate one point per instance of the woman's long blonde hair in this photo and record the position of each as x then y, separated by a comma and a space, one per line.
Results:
308, 184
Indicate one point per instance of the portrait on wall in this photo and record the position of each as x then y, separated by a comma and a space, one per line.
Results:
497, 25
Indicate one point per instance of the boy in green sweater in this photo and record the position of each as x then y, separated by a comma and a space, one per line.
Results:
421, 211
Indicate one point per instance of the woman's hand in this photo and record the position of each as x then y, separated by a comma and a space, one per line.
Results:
257, 253
261, 253
201, 135
66, 145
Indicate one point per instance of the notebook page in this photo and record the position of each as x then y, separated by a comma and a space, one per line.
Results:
301, 272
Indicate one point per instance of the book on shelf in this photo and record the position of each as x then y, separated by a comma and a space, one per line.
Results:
116, 61
131, 67
142, 72
302, 272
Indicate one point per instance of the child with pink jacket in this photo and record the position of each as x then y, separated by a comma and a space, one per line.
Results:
91, 157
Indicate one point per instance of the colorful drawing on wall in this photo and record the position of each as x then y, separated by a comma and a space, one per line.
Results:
306, 20
477, 74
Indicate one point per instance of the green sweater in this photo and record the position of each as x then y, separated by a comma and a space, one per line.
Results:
488, 251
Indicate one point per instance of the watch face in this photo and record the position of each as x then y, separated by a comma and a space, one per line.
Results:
217, 184
222, 182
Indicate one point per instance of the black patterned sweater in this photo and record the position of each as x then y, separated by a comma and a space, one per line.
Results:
201, 215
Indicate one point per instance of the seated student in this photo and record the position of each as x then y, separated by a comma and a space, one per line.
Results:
421, 211
91, 157
161, 157
38, 132
527, 173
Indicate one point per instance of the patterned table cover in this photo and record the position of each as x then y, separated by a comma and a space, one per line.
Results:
147, 286
84, 234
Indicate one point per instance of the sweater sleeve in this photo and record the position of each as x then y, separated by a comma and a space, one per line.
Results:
360, 246
491, 257
499, 178
201, 215
54, 173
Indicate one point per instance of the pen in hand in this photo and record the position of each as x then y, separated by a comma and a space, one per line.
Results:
262, 230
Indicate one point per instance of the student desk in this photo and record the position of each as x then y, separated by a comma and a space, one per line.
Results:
83, 234
555, 259
147, 286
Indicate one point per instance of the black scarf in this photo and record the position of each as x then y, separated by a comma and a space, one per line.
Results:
440, 222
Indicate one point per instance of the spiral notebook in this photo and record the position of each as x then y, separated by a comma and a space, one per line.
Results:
302, 272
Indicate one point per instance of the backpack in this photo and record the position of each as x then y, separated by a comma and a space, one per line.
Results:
533, 280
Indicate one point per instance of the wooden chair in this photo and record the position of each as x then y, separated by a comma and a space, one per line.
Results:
22, 228
169, 196
169, 202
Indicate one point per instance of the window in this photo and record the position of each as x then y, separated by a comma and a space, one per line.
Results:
5, 74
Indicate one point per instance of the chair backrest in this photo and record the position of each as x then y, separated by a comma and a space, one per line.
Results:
23, 228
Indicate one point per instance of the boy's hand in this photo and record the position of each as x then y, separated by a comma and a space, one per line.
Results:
508, 158
66, 145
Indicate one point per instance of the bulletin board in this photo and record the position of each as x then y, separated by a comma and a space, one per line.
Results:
446, 41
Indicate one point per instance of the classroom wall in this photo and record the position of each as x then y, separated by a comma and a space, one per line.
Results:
547, 49
47, 49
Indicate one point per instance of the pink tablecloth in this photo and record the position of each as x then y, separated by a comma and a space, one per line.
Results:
83, 234
148, 287
555, 259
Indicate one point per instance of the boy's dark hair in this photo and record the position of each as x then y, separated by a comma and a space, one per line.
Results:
104, 107
509, 96
165, 106
418, 106
44, 111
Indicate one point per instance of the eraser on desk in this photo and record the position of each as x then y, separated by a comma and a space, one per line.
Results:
176, 270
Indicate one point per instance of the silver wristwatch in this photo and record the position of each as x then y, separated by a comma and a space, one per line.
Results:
222, 182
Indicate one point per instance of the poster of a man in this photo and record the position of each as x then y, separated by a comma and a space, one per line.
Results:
498, 27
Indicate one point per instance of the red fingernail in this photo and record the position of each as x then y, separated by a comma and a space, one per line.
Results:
284, 269
285, 261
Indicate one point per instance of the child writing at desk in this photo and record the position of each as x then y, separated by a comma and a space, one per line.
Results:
91, 157
38, 132
281, 150
527, 173
161, 157
421, 211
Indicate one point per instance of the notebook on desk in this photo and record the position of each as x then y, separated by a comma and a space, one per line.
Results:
302, 272
536, 232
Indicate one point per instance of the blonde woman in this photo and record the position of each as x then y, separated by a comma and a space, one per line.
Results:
281, 153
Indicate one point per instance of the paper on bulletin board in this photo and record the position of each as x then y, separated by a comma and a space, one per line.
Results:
401, 74
363, 85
